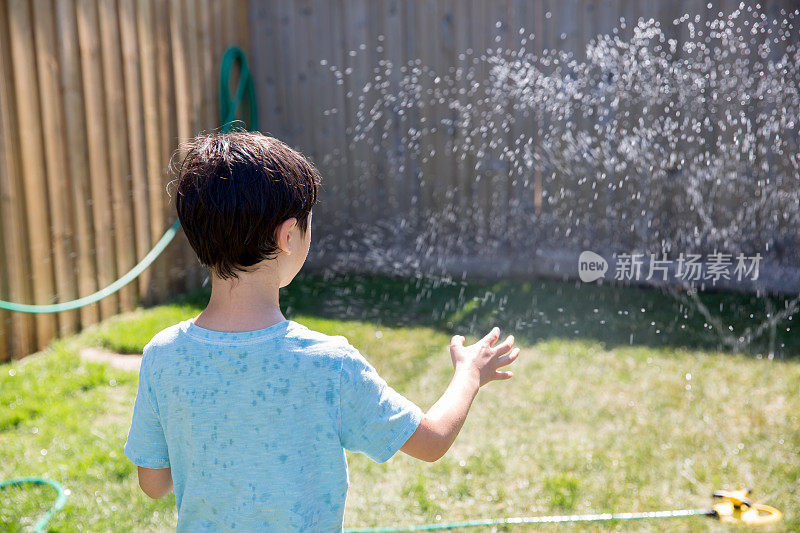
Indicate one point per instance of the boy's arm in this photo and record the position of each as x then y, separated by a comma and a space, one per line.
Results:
155, 482
475, 366
443, 421
147, 444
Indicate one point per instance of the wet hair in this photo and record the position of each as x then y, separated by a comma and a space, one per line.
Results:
233, 190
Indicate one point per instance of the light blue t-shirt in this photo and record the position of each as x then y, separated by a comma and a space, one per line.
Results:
254, 424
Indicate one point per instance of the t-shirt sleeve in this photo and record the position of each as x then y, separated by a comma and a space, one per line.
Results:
374, 419
146, 445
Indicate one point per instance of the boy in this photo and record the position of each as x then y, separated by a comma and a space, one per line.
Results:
246, 412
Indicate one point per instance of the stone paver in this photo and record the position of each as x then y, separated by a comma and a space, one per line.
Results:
117, 360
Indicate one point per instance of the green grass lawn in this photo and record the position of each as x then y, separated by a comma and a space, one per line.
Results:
591, 422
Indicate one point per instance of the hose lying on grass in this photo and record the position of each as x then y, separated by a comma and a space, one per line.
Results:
733, 506
61, 497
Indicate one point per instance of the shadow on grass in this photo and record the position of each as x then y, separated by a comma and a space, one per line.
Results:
538, 310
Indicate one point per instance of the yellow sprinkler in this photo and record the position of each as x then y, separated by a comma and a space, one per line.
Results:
735, 506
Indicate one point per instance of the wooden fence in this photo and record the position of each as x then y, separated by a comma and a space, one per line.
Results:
95, 96
405, 184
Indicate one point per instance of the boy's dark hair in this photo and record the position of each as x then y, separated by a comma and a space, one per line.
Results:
233, 190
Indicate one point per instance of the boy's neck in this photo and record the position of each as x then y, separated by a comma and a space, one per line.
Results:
249, 304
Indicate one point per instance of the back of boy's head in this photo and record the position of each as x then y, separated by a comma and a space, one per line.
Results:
233, 190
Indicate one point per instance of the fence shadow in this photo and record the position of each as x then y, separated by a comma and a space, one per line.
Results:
538, 310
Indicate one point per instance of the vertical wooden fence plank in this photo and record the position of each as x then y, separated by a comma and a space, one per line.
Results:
657, 174
550, 181
492, 37
516, 119
464, 157
537, 30
591, 180
56, 162
379, 168
193, 89
504, 176
336, 166
237, 26
246, 38
392, 44
179, 115
525, 134
210, 60
608, 13
218, 45
314, 24
7, 174
22, 330
76, 172
305, 126
5, 317
442, 60
647, 182
88, 32
242, 26
261, 65
276, 65
478, 20
155, 161
29, 120
209, 74
425, 22
234, 24
117, 144
374, 167
362, 70
229, 33
134, 113
413, 173
568, 32
667, 12
286, 58
354, 23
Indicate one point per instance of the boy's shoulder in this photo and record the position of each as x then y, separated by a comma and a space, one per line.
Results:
300, 336
307, 338
165, 337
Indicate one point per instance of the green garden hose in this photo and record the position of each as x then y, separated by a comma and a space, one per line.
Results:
733, 507
61, 497
228, 106
486, 522
99, 295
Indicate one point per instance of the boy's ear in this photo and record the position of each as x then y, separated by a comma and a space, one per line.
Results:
282, 235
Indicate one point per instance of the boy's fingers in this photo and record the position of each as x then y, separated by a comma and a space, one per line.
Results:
503, 348
508, 359
492, 336
503, 375
457, 340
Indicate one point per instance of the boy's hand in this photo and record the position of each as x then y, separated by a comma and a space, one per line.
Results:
475, 366
482, 358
